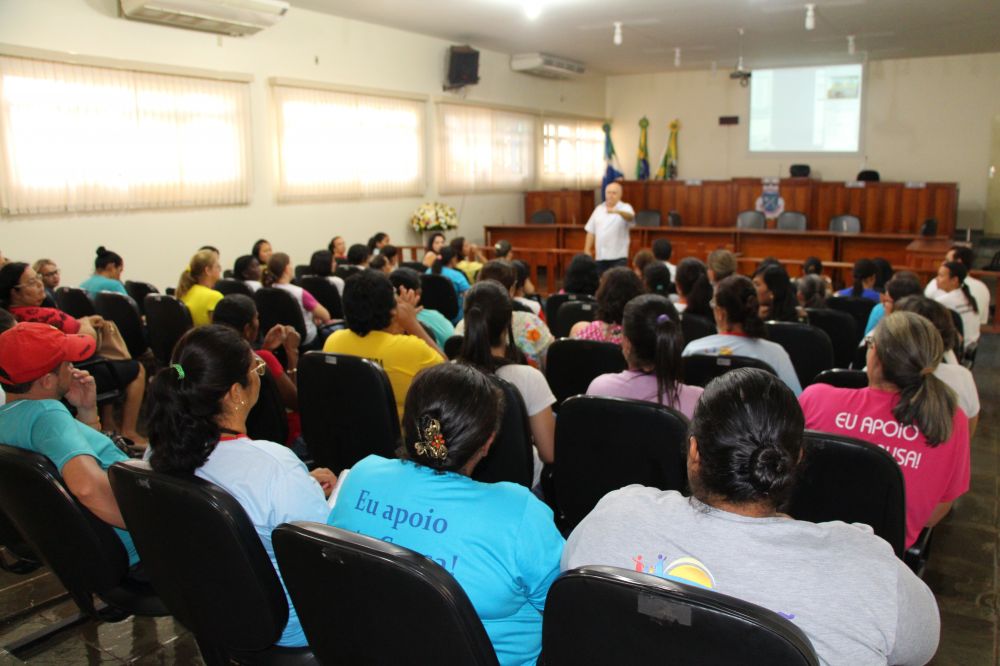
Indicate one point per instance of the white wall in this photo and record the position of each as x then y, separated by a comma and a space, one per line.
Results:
157, 245
925, 119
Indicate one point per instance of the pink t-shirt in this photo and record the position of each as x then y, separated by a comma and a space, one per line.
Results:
638, 385
932, 474
601, 332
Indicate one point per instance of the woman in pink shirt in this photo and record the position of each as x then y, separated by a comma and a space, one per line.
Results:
618, 287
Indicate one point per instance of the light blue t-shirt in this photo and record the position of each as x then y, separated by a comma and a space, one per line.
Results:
874, 318
273, 487
98, 283
497, 539
47, 427
440, 327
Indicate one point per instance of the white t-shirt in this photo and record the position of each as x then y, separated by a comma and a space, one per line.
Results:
253, 284
537, 395
977, 288
723, 344
337, 282
296, 293
960, 380
956, 300
673, 270
610, 231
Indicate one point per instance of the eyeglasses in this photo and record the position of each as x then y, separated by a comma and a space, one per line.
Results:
260, 366
33, 282
51, 273
870, 340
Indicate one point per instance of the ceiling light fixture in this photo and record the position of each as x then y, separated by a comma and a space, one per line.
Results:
810, 16
677, 56
617, 39
850, 44
532, 9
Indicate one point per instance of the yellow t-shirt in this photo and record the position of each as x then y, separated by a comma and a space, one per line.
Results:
470, 268
201, 302
401, 356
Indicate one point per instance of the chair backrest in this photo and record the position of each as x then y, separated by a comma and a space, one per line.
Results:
929, 227
19, 557
858, 307
571, 365
842, 478
373, 580
75, 302
751, 219
437, 292
570, 313
347, 408
808, 347
848, 224
268, 419
543, 216
120, 309
673, 219
277, 306
167, 319
345, 271
510, 458
695, 326
648, 218
791, 221
325, 292
869, 175
603, 444
605, 615
555, 301
842, 378
843, 332
414, 265
301, 270
83, 551
138, 291
452, 346
700, 369
203, 555
799, 171
228, 286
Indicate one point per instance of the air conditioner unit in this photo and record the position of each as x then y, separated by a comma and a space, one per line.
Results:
228, 17
541, 64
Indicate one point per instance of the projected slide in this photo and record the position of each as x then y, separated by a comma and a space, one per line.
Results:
806, 109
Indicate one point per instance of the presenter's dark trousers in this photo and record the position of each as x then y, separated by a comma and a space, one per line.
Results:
605, 264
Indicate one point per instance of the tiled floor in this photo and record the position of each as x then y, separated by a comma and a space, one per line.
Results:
962, 572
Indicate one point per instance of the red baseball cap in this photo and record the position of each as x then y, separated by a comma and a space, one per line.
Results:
30, 350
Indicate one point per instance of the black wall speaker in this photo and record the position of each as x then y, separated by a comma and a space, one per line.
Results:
463, 67
799, 171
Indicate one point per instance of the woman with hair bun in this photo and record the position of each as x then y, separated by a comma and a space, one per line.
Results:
652, 347
840, 584
741, 330
108, 269
907, 410
497, 539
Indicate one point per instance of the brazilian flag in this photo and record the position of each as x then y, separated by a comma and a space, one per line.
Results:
642, 163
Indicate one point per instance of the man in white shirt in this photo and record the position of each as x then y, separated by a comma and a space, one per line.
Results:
608, 228
977, 288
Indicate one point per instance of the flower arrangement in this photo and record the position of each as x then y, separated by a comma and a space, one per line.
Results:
434, 216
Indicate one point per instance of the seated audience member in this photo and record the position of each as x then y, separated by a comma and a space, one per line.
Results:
656, 278
662, 251
856, 602
377, 242
21, 293
486, 345
883, 273
954, 294
949, 370
434, 244
582, 276
865, 273
36, 372
445, 265
902, 284
977, 288
811, 291
741, 330
108, 269
642, 259
380, 263
523, 288
378, 321
441, 329
338, 248
721, 264
214, 250
197, 425
652, 347
497, 539
323, 264
279, 275
357, 255
502, 250
530, 334
262, 252
248, 271
196, 286
813, 266
694, 291
775, 294
391, 255
618, 286
907, 410
470, 259
50, 274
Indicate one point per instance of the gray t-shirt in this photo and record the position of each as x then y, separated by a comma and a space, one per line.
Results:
841, 585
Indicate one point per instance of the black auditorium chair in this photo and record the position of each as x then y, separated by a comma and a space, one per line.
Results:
267, 419
856, 306
869, 175
203, 554
848, 224
120, 309
842, 378
229, 286
438, 293
325, 292
603, 444
543, 216
16, 556
606, 615
570, 313
750, 219
842, 478
695, 326
648, 218
347, 408
700, 369
75, 302
414, 265
808, 347
432, 620
83, 551
843, 332
452, 346
277, 306
510, 457
791, 221
555, 301
301, 270
674, 219
167, 319
570, 365
345, 271
138, 291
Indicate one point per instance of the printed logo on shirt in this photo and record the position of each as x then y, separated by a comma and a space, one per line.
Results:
398, 517
887, 430
683, 570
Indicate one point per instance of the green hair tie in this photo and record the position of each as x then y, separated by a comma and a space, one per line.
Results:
179, 369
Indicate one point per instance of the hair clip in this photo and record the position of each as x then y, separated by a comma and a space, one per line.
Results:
927, 371
178, 369
662, 318
431, 442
